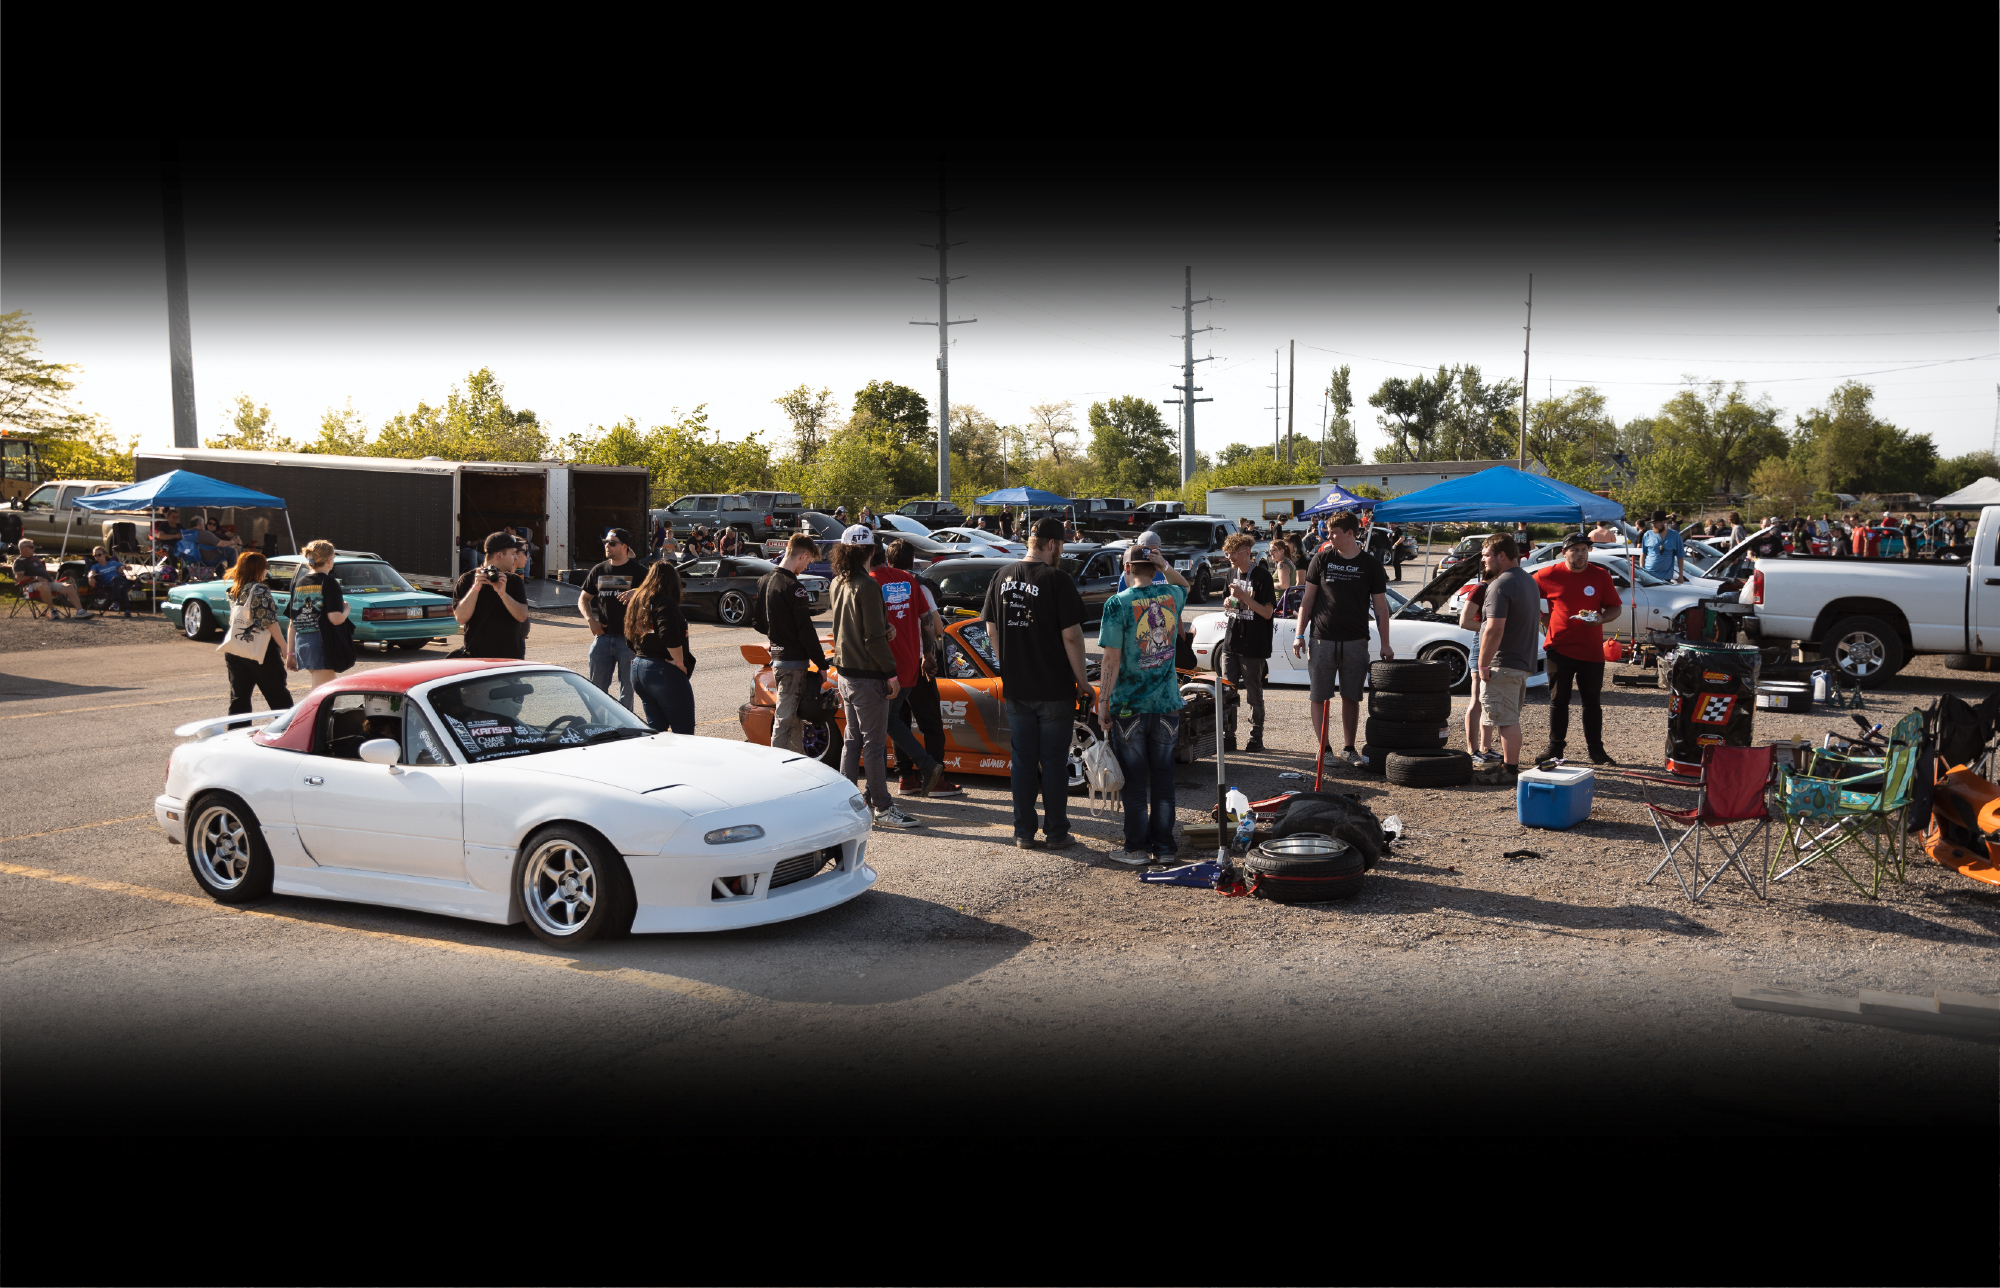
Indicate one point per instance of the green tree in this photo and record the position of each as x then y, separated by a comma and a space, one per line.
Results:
896, 421
86, 448
1131, 445
252, 430
1256, 470
1412, 409
1478, 421
1844, 447
342, 432
34, 394
1235, 452
1670, 478
812, 419
1782, 484
1949, 476
1727, 431
1341, 446
1572, 436
475, 424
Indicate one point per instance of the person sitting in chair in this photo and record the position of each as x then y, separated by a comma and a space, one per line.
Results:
32, 578
107, 579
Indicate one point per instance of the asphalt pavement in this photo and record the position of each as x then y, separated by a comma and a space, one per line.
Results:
978, 986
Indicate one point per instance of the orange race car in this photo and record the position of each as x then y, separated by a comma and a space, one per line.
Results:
975, 717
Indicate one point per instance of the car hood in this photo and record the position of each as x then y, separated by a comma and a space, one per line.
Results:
692, 775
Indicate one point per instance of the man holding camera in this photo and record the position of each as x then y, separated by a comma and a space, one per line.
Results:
492, 601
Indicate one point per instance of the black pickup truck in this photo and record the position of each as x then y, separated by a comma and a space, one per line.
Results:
1086, 510
1131, 522
1193, 544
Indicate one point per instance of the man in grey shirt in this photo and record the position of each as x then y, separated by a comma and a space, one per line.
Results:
1510, 617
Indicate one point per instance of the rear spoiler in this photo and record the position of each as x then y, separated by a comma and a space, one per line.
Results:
201, 730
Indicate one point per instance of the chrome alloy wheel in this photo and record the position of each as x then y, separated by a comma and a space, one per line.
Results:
559, 887
221, 845
194, 619
1860, 654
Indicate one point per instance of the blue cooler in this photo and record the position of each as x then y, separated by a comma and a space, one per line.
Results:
1555, 798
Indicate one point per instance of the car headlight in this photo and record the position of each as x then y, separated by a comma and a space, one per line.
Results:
727, 835
1182, 565
857, 804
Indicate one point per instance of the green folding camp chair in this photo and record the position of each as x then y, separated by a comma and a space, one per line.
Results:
1852, 807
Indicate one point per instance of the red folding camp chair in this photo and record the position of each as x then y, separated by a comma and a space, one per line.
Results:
1733, 791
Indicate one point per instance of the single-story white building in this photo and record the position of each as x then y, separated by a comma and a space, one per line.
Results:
1264, 503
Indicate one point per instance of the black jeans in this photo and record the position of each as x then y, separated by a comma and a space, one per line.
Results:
1589, 680
920, 710
266, 677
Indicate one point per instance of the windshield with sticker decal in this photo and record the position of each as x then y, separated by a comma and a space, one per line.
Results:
500, 716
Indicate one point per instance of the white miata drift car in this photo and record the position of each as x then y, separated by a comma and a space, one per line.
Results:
1427, 637
503, 791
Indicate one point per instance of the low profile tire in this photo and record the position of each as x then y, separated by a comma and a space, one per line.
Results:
1400, 735
1421, 708
1429, 768
1422, 676
226, 850
1377, 758
822, 741
197, 623
1453, 660
1297, 880
1865, 650
573, 887
1198, 594
733, 608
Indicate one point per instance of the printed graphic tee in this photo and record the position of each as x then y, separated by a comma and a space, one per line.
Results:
313, 597
1345, 602
1570, 593
1029, 605
1142, 623
604, 583
904, 601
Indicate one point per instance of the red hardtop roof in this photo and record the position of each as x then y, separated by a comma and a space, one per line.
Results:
408, 675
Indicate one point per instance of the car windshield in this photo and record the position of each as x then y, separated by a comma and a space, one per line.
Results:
751, 567
1184, 534
369, 577
495, 717
966, 579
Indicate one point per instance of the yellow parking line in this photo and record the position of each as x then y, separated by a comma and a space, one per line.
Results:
714, 993
57, 831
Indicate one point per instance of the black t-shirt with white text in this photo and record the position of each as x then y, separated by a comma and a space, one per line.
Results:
1249, 634
1344, 603
492, 632
605, 582
1030, 605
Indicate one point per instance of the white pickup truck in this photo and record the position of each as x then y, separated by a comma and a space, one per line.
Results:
1870, 616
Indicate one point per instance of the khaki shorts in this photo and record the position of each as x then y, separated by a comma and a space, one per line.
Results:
1500, 696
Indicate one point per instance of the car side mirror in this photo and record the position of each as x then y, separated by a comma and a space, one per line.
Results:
381, 751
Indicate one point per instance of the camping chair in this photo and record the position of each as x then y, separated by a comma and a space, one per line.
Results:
1861, 802
53, 608
1730, 794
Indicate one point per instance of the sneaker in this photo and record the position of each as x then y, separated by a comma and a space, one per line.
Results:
1551, 753
931, 779
910, 786
894, 817
1353, 757
82, 613
1130, 858
1026, 843
1256, 743
946, 787
1599, 756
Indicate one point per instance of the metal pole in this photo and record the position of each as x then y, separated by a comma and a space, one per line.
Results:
1291, 395
180, 342
1221, 783
1526, 341
944, 359
1187, 387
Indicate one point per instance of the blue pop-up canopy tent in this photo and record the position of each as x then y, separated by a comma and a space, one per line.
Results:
1335, 501
1502, 494
178, 488
1020, 496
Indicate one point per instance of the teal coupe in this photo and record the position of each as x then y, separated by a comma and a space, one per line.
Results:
384, 608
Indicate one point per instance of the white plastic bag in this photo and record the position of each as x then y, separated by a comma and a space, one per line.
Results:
1104, 775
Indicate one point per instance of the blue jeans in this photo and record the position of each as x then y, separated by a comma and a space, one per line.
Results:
1038, 736
1144, 745
608, 651
664, 689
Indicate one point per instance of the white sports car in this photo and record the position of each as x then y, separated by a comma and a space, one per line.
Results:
503, 791
1427, 637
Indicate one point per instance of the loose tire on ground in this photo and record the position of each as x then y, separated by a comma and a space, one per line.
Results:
1419, 708
1865, 650
225, 849
1409, 677
1441, 768
573, 887
1456, 661
1307, 880
1377, 757
1397, 735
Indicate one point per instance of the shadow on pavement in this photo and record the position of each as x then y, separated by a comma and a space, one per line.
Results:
15, 688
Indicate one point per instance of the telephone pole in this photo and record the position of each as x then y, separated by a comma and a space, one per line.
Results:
1291, 398
180, 340
1188, 388
1277, 389
943, 280
1529, 329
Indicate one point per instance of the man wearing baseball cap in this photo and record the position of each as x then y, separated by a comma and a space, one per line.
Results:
1580, 598
492, 601
607, 587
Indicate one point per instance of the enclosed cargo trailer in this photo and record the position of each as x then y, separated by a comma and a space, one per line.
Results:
429, 518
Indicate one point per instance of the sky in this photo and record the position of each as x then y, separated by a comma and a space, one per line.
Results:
604, 280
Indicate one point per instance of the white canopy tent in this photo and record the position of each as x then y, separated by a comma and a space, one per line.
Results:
1972, 496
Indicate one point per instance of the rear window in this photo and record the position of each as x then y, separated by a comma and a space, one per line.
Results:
968, 580
368, 578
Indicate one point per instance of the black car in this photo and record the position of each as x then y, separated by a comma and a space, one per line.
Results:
962, 583
1194, 546
935, 514
723, 587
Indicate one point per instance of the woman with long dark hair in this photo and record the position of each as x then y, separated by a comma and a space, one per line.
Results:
265, 674
659, 635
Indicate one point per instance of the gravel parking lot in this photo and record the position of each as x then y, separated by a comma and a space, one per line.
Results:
1465, 990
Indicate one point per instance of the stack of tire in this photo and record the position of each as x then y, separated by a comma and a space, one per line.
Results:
1408, 724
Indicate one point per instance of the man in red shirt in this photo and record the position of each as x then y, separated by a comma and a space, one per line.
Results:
903, 600
1580, 598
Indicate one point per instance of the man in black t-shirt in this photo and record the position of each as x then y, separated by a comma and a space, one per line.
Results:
1342, 584
1034, 616
492, 601
607, 587
1251, 604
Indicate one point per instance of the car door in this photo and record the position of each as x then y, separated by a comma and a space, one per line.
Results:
699, 584
1099, 582
970, 700
1985, 574
406, 819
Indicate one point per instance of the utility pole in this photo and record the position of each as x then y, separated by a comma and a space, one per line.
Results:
1277, 389
180, 335
1291, 398
1188, 388
943, 279
1528, 340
